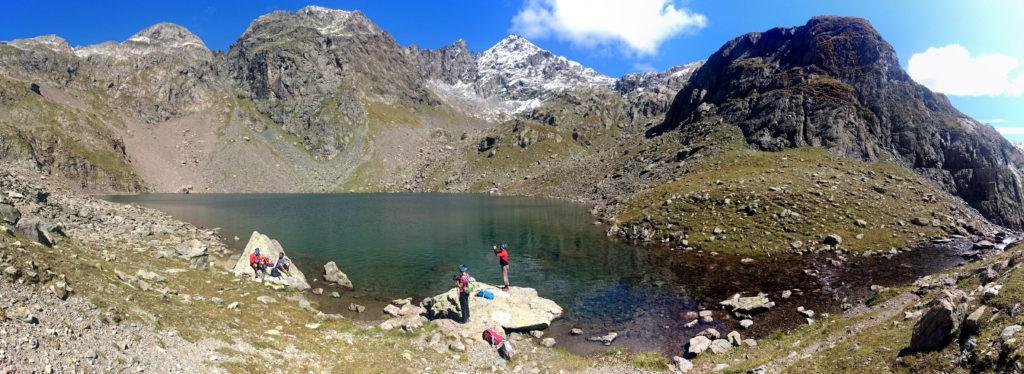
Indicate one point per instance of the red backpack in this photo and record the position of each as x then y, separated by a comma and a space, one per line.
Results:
493, 337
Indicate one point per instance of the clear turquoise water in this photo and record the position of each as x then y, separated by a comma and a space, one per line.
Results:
411, 244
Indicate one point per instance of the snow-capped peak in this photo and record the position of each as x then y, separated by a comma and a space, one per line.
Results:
520, 70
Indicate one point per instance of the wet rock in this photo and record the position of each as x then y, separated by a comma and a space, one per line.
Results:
710, 333
576, 331
334, 275
605, 339
940, 322
747, 304
356, 308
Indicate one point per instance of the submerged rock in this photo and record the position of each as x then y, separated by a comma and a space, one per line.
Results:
270, 248
518, 309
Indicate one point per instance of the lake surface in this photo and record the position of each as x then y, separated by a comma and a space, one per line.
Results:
397, 245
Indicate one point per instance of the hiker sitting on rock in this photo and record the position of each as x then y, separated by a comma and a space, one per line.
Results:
282, 266
258, 263
462, 283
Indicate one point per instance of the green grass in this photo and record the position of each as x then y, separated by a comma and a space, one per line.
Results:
829, 193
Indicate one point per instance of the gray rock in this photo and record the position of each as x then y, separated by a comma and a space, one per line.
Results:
698, 345
973, 322
747, 304
334, 275
9, 214
576, 331
605, 339
683, 365
746, 323
356, 308
940, 322
734, 338
548, 342
1009, 331
720, 346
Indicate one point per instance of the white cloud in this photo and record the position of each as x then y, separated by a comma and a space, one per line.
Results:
953, 71
1010, 130
993, 121
639, 25
642, 67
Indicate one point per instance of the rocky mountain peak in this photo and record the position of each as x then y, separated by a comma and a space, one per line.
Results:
49, 42
517, 69
166, 34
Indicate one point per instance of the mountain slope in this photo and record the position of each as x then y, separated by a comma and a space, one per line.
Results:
834, 83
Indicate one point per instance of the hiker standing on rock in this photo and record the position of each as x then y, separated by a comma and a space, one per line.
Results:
503, 261
462, 283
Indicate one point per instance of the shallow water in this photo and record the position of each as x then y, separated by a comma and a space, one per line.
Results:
400, 245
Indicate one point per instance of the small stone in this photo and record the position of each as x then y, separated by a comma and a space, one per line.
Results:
548, 342
576, 331
746, 323
682, 364
720, 346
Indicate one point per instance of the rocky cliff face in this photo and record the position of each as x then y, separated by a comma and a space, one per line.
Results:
311, 70
834, 83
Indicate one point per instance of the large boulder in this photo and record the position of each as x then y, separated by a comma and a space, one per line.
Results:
940, 322
9, 214
334, 275
518, 309
44, 233
270, 248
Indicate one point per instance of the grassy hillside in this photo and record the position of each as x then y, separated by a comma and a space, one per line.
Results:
772, 202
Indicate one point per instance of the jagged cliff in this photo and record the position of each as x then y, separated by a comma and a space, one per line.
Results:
835, 83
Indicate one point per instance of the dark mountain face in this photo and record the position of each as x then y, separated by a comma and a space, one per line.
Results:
308, 71
834, 83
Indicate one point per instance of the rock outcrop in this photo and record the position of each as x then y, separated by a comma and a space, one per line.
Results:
941, 322
334, 275
835, 83
518, 309
270, 248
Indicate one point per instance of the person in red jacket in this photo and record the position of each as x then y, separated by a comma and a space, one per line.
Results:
256, 263
502, 254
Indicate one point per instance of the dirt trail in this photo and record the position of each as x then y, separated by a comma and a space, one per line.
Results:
885, 311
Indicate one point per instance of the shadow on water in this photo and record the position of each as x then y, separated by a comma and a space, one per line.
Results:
401, 245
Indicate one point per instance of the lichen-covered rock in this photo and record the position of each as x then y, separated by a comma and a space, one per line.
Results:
270, 248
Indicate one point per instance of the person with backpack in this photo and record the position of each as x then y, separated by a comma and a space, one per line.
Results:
462, 283
502, 254
256, 263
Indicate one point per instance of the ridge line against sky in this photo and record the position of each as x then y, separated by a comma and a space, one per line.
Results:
969, 50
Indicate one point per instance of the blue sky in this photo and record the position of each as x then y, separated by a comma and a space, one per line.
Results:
619, 40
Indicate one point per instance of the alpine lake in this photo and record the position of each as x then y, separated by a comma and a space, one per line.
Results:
397, 245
